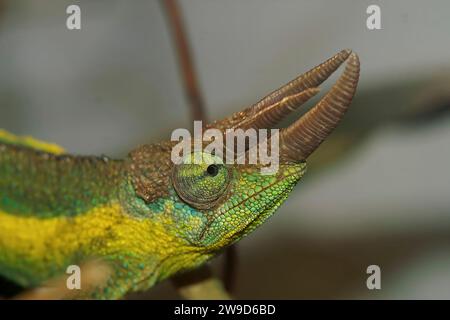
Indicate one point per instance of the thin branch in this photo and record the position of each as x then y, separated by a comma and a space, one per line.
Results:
200, 284
181, 42
230, 268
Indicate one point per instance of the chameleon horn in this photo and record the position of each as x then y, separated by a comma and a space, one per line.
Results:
271, 109
301, 138
273, 114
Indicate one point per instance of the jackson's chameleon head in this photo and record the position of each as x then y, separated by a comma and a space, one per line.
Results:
211, 204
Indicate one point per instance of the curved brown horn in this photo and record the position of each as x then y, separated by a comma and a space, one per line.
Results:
308, 80
301, 138
273, 114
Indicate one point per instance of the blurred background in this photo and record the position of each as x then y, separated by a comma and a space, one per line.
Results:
377, 192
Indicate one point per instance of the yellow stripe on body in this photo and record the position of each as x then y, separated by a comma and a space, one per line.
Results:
32, 247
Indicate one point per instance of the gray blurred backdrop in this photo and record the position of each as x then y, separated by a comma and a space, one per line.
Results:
115, 84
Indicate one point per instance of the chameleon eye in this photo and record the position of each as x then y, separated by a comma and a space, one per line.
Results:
201, 185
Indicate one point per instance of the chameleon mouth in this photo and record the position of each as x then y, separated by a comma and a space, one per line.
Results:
286, 184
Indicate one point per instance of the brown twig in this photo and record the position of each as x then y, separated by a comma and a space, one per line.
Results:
186, 62
200, 284
230, 266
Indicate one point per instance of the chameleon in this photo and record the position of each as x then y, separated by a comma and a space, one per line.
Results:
145, 216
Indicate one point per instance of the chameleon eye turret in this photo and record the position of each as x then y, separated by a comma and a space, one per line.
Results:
201, 184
